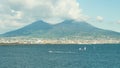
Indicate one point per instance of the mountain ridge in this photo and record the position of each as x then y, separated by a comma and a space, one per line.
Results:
65, 29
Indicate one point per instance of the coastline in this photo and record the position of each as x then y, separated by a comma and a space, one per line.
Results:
16, 44
40, 41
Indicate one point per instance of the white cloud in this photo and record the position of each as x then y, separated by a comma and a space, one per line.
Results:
46, 9
7, 25
99, 18
17, 12
118, 21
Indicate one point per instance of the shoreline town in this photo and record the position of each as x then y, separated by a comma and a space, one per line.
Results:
57, 41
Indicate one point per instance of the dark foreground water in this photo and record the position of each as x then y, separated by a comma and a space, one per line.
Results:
60, 56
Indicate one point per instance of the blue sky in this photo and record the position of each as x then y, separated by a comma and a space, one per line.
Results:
19, 13
109, 10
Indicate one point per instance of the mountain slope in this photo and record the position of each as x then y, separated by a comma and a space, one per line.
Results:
66, 29
74, 29
38, 27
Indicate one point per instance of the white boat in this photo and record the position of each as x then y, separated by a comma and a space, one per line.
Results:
83, 49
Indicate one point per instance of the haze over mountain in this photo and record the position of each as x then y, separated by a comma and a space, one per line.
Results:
67, 29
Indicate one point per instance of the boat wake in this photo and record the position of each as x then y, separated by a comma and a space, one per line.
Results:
61, 52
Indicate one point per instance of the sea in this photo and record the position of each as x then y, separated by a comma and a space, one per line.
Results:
60, 56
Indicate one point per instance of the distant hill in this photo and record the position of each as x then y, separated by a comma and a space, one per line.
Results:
67, 29
38, 27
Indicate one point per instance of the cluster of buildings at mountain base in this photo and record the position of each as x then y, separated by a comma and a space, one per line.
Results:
16, 40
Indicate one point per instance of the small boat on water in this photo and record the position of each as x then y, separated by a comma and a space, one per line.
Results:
83, 49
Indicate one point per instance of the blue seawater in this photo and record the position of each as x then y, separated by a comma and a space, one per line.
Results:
60, 56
